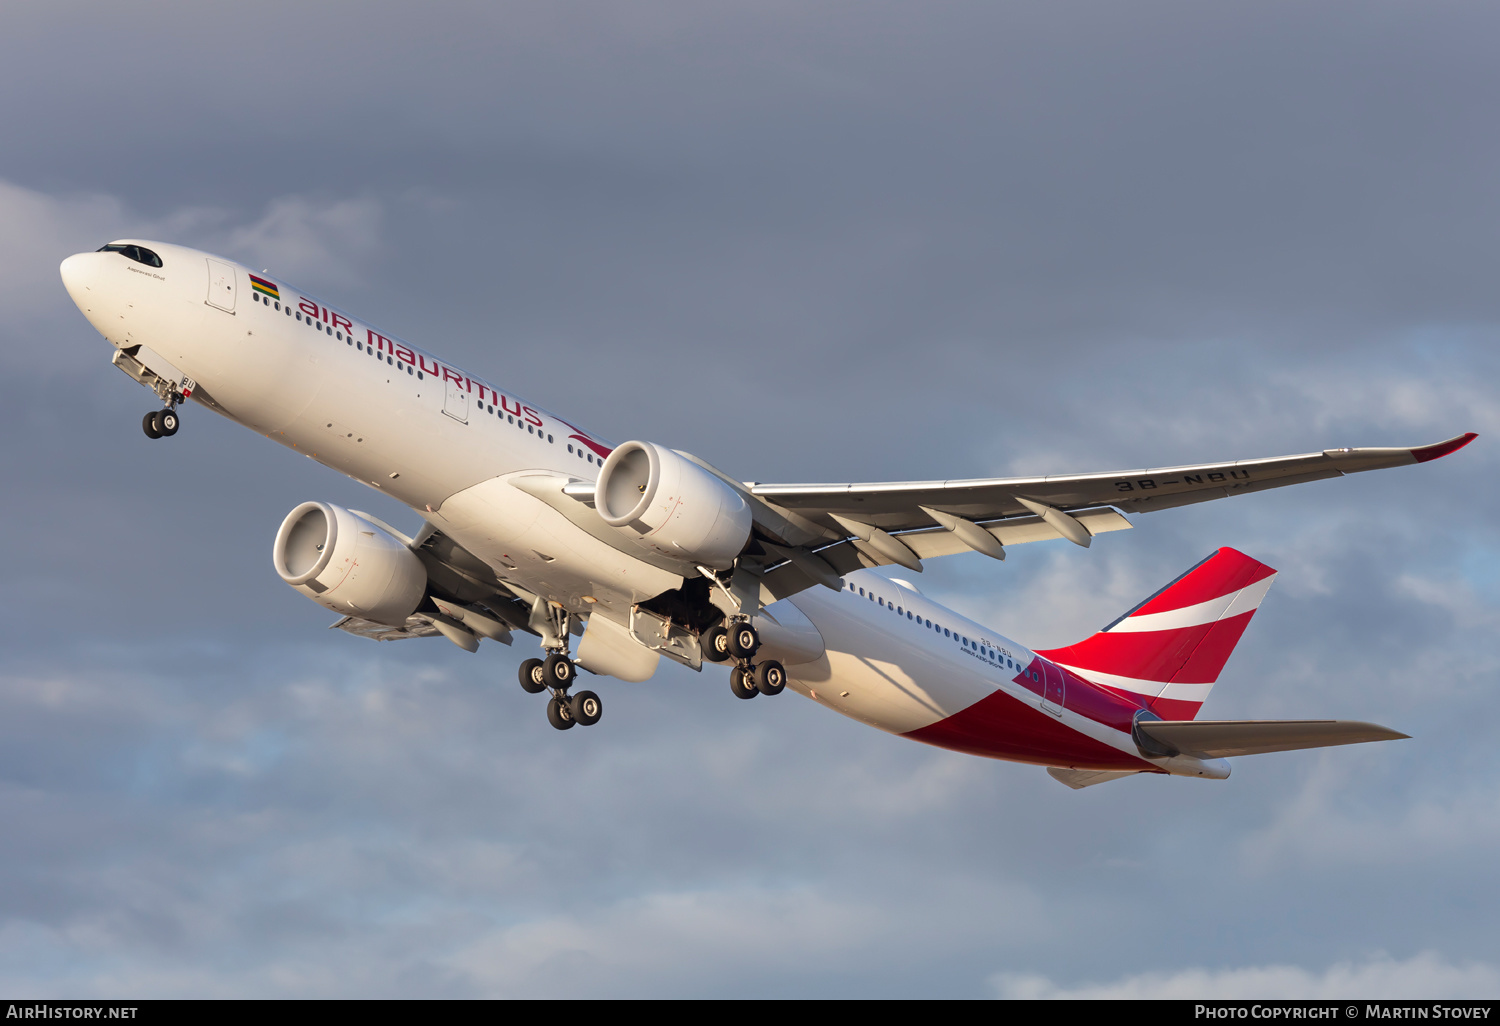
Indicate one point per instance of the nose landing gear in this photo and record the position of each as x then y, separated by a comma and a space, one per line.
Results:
160, 423
163, 423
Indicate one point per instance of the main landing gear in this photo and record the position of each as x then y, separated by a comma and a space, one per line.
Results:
738, 640
556, 673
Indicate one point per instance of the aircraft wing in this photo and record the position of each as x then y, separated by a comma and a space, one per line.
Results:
820, 531
896, 506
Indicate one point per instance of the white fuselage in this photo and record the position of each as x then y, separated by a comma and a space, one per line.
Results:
452, 447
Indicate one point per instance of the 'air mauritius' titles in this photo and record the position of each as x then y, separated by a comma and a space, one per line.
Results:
420, 360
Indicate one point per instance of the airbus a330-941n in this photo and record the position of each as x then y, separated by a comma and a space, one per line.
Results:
534, 526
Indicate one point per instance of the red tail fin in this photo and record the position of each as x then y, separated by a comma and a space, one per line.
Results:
1172, 646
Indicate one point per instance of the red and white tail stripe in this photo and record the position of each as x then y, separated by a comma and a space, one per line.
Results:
1172, 647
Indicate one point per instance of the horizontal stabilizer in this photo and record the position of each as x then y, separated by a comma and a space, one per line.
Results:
1217, 739
1087, 778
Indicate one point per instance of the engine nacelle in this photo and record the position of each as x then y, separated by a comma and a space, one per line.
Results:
672, 506
345, 563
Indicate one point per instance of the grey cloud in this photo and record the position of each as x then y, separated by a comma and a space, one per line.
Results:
1382, 977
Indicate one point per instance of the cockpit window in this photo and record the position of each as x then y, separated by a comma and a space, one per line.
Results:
140, 254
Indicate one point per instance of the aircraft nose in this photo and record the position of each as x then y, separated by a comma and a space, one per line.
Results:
78, 274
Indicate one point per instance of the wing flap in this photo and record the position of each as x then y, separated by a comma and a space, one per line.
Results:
847, 556
1218, 739
1079, 779
415, 627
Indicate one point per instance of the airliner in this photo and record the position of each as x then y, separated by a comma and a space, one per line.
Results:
615, 556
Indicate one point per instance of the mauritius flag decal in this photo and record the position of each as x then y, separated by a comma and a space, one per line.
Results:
264, 287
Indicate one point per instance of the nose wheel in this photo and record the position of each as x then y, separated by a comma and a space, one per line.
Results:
160, 423
163, 423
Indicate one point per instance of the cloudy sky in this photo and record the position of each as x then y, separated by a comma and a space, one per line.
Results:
835, 241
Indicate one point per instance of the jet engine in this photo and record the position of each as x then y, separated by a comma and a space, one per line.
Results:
672, 506
348, 564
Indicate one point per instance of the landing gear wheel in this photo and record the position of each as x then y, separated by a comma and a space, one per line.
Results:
559, 715
558, 671
532, 681
166, 422
715, 644
741, 683
148, 425
586, 708
744, 640
770, 677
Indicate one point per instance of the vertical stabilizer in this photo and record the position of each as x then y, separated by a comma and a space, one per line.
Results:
1172, 647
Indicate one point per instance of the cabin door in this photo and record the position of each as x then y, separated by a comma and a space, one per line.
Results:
456, 401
